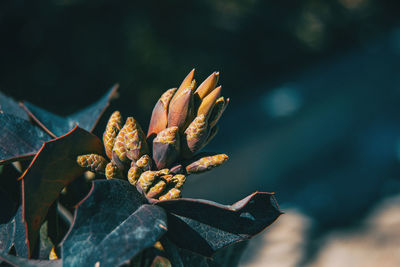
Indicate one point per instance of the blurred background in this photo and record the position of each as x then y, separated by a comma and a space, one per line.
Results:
314, 113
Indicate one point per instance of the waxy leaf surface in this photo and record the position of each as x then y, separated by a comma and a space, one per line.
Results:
53, 167
23, 262
19, 138
204, 226
12, 107
111, 226
57, 125
13, 234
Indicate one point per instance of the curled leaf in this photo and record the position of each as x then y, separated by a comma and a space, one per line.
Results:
204, 227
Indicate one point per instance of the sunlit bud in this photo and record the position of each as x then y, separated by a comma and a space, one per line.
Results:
162, 172
166, 147
208, 102
112, 129
195, 136
167, 178
159, 117
219, 108
134, 139
144, 163
134, 174
206, 163
186, 82
119, 150
171, 194
181, 107
146, 179
207, 86
112, 171
92, 162
179, 180
157, 189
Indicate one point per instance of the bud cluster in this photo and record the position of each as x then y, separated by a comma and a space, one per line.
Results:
183, 121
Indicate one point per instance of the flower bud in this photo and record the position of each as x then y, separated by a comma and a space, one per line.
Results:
119, 150
92, 162
112, 129
134, 140
134, 174
186, 82
207, 86
219, 108
146, 179
179, 180
208, 102
162, 172
171, 194
157, 189
206, 163
159, 117
195, 136
181, 107
166, 147
144, 163
112, 171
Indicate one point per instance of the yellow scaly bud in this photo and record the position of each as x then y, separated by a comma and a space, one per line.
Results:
134, 174
171, 194
112, 129
134, 140
206, 163
112, 171
157, 189
146, 179
195, 136
92, 162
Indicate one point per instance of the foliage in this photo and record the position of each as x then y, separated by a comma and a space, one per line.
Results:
136, 216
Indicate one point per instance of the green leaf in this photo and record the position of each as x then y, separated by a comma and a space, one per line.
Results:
53, 167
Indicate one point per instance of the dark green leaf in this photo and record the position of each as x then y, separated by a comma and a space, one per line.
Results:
204, 226
23, 262
112, 225
53, 167
56, 125
10, 106
19, 138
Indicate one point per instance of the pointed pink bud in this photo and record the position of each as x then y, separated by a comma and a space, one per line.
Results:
207, 86
166, 147
208, 102
181, 108
159, 117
